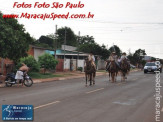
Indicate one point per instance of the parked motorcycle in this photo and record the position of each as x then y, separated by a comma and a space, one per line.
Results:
10, 80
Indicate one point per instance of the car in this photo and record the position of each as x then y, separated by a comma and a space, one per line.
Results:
151, 67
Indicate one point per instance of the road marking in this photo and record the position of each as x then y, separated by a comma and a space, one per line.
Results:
135, 79
46, 105
118, 83
94, 90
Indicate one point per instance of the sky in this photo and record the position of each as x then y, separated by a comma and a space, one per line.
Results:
130, 24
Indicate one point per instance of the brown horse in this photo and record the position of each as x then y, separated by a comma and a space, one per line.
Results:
125, 68
90, 72
113, 71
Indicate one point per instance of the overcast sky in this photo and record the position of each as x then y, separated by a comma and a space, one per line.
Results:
130, 24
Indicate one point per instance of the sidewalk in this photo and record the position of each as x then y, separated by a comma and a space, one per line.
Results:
68, 75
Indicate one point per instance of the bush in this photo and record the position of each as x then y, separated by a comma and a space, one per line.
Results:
30, 62
47, 61
80, 69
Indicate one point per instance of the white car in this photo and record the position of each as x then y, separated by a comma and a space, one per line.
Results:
151, 67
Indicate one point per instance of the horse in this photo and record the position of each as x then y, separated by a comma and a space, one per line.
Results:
112, 70
125, 68
90, 72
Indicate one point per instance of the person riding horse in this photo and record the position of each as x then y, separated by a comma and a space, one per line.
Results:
112, 67
125, 66
112, 58
124, 58
91, 58
90, 69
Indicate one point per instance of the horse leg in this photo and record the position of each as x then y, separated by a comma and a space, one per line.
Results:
94, 78
109, 77
121, 76
114, 76
112, 80
86, 79
90, 79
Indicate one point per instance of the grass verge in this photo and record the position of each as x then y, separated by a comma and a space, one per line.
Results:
37, 75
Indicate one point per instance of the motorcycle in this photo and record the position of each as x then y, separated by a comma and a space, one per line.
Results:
10, 80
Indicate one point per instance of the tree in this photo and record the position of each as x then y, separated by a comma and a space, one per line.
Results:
71, 38
47, 61
46, 40
115, 49
14, 41
95, 49
137, 57
131, 59
30, 62
86, 39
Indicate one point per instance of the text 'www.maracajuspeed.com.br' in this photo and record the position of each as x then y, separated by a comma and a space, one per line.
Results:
52, 16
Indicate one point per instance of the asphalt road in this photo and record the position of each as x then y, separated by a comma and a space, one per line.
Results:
71, 101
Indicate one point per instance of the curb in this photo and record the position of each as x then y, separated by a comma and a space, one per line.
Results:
60, 79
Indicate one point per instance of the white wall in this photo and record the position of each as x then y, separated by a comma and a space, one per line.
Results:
38, 52
101, 64
67, 64
81, 63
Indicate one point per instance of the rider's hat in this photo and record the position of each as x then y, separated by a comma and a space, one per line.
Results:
123, 53
113, 53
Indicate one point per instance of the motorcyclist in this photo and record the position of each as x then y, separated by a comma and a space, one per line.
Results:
20, 73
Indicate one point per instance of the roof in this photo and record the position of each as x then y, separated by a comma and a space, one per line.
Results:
40, 47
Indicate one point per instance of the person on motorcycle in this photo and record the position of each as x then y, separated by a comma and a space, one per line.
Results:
20, 73
92, 59
112, 57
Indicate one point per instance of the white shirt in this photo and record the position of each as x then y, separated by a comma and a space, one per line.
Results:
123, 57
91, 57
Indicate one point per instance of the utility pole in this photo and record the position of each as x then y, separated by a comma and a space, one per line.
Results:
77, 63
55, 44
64, 47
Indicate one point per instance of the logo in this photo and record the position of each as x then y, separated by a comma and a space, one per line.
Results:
17, 112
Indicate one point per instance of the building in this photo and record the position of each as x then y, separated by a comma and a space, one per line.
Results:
73, 58
6, 66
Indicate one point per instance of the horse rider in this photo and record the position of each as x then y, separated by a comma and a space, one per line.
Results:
112, 57
91, 58
123, 57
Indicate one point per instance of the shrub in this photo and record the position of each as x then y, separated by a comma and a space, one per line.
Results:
80, 69
47, 61
30, 62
